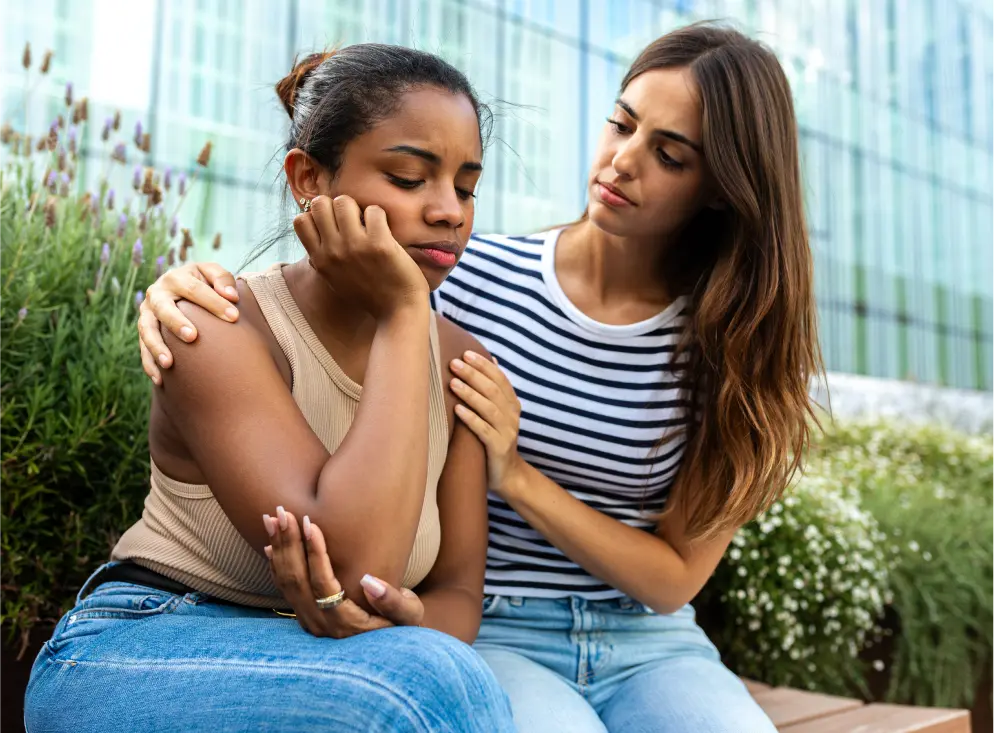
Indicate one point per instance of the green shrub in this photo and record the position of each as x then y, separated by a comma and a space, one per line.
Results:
73, 402
930, 489
802, 589
885, 513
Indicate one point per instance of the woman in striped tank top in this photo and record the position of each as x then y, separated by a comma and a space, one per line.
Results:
651, 395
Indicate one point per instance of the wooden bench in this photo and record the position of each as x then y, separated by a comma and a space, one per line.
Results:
795, 711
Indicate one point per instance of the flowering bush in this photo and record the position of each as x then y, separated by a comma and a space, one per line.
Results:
930, 490
804, 587
884, 515
74, 265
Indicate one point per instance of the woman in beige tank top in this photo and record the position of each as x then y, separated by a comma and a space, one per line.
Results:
324, 403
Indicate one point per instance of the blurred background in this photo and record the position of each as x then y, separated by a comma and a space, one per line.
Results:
894, 99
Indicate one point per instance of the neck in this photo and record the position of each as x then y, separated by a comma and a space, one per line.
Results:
324, 308
616, 269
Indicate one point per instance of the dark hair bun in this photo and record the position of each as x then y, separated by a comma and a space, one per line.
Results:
286, 88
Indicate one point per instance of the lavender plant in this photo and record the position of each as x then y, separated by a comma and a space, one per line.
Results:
74, 265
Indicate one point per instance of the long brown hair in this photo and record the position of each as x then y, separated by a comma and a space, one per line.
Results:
751, 347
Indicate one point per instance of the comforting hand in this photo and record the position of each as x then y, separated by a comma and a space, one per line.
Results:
207, 284
492, 411
302, 571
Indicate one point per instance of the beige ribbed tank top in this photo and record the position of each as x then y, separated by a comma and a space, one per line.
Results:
183, 532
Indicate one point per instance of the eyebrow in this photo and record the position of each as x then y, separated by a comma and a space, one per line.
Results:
664, 133
469, 165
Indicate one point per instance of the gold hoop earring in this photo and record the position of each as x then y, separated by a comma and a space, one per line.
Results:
305, 204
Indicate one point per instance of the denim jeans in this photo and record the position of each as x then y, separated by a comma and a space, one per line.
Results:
577, 666
133, 658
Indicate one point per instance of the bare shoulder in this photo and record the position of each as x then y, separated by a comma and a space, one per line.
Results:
454, 341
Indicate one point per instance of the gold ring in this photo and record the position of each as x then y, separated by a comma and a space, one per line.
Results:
331, 601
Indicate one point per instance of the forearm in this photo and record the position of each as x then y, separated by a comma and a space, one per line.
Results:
370, 493
453, 610
641, 565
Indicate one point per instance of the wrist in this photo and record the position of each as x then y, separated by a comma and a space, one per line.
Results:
406, 313
515, 478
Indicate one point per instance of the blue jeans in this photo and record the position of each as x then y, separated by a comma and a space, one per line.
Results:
133, 658
576, 666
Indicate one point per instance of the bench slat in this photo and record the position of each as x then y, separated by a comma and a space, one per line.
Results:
787, 707
880, 718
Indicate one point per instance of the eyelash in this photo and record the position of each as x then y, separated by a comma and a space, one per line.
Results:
668, 162
410, 184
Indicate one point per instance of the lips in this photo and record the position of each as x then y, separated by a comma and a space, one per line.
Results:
612, 196
439, 254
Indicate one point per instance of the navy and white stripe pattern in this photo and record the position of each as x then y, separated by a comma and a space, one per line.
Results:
595, 401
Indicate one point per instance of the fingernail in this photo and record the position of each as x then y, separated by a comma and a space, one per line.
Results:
458, 364
231, 313
373, 585
270, 527
471, 356
230, 291
282, 515
164, 360
186, 333
458, 384
268, 549
307, 526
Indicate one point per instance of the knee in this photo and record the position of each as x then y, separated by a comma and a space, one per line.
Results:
448, 673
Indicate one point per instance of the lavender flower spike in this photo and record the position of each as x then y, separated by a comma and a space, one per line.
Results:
167, 179
105, 253
22, 314
160, 265
139, 298
173, 227
136, 180
137, 252
120, 153
138, 133
182, 184
110, 199
122, 224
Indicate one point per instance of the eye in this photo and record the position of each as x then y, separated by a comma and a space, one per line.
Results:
465, 195
620, 127
667, 161
406, 183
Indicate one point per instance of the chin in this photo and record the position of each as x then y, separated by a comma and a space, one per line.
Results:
434, 277
607, 219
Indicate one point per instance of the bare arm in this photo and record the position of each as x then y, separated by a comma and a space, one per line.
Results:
664, 571
226, 397
452, 593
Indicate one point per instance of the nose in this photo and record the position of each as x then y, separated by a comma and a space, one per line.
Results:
625, 160
445, 209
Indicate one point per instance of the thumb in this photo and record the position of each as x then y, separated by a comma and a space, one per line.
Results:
402, 607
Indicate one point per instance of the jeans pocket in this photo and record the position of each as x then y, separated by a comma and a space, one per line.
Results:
491, 605
109, 605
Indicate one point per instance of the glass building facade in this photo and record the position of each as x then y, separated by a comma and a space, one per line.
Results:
894, 100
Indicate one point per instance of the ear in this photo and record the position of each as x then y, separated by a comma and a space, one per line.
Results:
306, 177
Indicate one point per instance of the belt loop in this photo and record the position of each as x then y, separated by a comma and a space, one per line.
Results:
94, 580
516, 601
